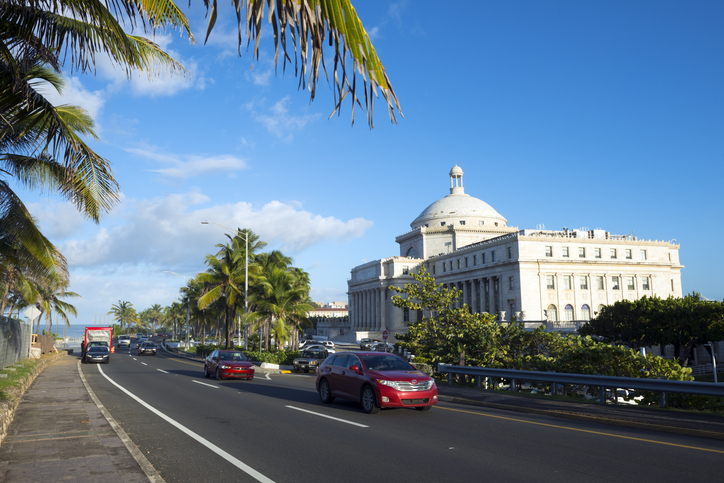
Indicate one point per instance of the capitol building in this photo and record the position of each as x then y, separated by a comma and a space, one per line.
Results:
530, 274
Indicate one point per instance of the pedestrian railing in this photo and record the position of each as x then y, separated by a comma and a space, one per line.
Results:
661, 386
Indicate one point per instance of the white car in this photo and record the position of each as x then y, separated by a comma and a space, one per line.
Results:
124, 341
319, 347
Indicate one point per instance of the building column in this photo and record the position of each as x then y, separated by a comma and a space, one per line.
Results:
383, 311
473, 297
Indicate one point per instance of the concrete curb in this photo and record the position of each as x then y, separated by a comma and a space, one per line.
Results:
145, 465
9, 406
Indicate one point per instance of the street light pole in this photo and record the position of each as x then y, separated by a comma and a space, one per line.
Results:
246, 277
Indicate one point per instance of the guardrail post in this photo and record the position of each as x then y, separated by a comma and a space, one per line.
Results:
449, 378
603, 394
478, 381
514, 385
554, 388
662, 400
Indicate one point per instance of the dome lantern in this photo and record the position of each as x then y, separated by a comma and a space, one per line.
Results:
456, 181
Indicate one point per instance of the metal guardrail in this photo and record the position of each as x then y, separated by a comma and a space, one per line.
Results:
662, 386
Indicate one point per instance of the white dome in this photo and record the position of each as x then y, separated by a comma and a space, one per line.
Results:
457, 208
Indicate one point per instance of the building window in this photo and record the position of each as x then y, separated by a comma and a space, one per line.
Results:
483, 261
672, 284
444, 267
492, 256
613, 253
510, 252
564, 252
433, 269
406, 314
645, 283
549, 251
597, 252
481, 223
585, 312
643, 254
405, 270
475, 260
466, 262
551, 313
458, 264
550, 282
442, 223
510, 283
630, 283
496, 223
599, 282
451, 266
628, 254
567, 282
581, 252
583, 279
615, 283
569, 312
462, 222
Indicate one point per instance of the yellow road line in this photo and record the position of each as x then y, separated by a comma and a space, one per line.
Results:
582, 430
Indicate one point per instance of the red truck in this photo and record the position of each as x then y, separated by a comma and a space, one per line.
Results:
98, 336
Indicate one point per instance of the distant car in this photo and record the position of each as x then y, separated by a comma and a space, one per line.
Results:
223, 364
319, 347
98, 353
305, 342
366, 344
147, 348
382, 347
376, 380
124, 341
309, 360
326, 343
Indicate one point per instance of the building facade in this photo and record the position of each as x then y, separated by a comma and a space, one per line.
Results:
532, 275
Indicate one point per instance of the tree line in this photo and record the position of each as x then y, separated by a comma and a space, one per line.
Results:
278, 296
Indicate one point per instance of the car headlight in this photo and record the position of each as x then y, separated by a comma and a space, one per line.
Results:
225, 367
392, 384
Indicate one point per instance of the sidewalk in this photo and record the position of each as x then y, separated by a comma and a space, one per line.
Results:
656, 419
60, 434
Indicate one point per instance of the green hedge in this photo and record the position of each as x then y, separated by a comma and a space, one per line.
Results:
284, 358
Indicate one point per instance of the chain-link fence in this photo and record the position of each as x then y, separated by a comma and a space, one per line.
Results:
15, 339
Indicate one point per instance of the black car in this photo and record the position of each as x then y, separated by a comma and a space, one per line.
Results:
366, 344
382, 347
98, 353
310, 360
147, 348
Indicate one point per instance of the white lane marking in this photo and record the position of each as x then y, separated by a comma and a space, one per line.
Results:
135, 359
328, 417
162, 371
210, 385
231, 459
267, 376
144, 363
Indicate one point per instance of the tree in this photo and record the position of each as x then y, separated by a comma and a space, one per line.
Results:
49, 299
683, 322
124, 313
154, 315
446, 332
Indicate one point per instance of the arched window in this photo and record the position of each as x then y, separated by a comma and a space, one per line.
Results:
585, 312
600, 308
552, 313
569, 312
412, 252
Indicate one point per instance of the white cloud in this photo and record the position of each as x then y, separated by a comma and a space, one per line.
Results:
190, 165
279, 121
76, 95
58, 220
167, 232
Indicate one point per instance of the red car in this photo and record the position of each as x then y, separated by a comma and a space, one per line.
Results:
377, 380
228, 364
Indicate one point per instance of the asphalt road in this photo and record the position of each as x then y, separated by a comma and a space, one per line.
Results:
276, 429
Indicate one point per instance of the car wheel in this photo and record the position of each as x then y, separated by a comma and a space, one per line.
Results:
325, 394
218, 374
306, 371
107, 362
369, 403
423, 408
206, 371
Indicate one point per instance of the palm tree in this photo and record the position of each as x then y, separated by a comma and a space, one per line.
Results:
124, 313
154, 315
49, 295
282, 301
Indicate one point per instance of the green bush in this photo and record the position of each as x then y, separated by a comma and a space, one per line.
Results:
283, 358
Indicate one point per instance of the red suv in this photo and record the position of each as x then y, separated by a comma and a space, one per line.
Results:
377, 380
228, 364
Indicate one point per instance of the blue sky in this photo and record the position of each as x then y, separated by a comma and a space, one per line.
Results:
578, 114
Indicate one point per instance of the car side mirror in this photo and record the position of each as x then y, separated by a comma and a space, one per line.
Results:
355, 368
215, 359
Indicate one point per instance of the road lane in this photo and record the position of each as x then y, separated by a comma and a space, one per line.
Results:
250, 420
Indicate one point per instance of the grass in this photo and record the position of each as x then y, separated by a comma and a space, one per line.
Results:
22, 368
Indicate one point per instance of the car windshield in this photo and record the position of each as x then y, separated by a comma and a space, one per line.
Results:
316, 355
232, 356
148, 344
98, 348
386, 363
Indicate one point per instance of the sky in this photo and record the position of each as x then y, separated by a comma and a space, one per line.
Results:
599, 114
